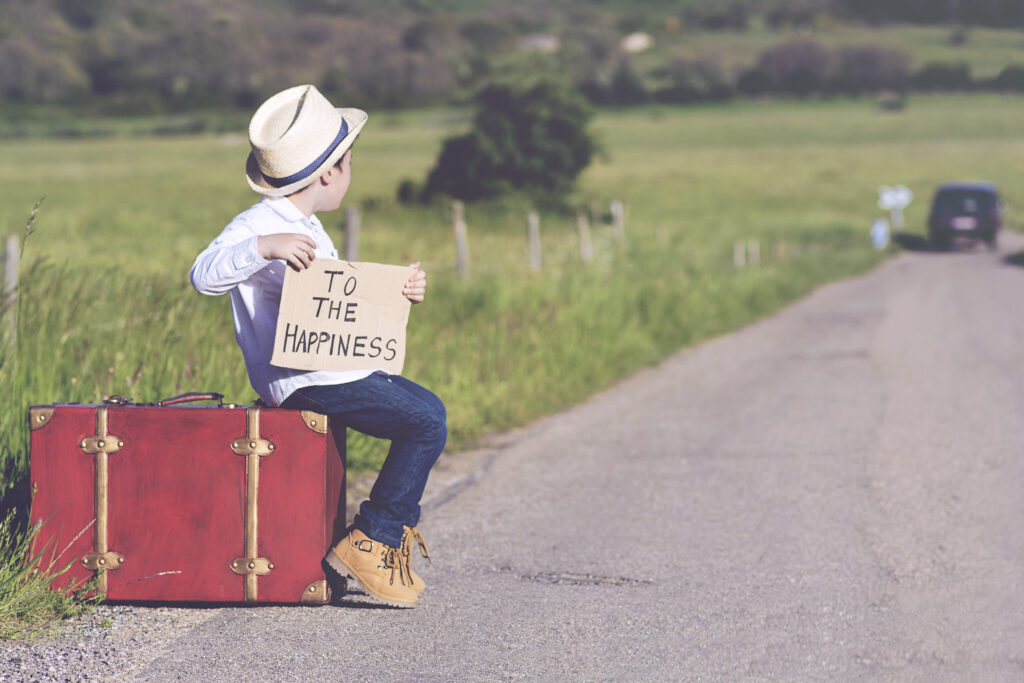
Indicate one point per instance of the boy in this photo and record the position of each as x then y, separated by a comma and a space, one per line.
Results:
301, 163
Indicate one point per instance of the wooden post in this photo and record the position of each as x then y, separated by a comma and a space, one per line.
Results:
461, 240
586, 246
619, 220
11, 283
754, 252
11, 269
533, 224
739, 254
352, 224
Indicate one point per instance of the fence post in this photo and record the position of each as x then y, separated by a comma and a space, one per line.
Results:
739, 254
352, 225
533, 223
586, 246
619, 220
461, 240
11, 282
11, 269
754, 252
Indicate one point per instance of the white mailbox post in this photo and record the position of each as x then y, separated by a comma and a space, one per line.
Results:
894, 200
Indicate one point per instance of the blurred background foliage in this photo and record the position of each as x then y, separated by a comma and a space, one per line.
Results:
142, 57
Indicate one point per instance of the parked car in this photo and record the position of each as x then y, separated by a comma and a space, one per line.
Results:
965, 211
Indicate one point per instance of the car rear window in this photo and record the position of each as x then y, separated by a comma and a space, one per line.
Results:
964, 201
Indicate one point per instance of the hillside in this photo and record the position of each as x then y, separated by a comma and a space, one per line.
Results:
140, 57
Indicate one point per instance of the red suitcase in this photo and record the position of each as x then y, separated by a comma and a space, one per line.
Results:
169, 503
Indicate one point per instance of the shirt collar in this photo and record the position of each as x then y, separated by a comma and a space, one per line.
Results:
284, 208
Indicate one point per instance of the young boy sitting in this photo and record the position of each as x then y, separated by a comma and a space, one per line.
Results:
301, 162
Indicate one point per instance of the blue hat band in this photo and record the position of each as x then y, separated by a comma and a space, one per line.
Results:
316, 163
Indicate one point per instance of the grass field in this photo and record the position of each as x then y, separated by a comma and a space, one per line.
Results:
105, 305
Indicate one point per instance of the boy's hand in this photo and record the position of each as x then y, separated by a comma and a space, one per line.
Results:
297, 249
416, 288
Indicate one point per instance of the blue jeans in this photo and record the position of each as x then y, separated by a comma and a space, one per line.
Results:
386, 407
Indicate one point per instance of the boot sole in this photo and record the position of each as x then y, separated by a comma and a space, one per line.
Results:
343, 570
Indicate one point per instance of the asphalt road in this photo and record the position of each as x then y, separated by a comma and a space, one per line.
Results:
832, 493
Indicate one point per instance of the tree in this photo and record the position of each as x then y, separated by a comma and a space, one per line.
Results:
532, 139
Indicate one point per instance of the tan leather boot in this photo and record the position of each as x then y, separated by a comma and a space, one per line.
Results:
378, 568
412, 578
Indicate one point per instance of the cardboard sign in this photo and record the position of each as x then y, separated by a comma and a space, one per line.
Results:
337, 315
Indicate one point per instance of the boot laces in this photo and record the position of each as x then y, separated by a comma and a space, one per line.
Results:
391, 558
411, 535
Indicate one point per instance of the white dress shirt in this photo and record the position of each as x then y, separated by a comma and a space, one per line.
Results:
232, 264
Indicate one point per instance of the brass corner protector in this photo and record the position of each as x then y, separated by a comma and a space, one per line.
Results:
316, 593
315, 421
39, 416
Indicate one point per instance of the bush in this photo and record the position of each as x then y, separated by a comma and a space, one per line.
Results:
732, 17
789, 14
530, 138
943, 76
587, 52
626, 87
30, 72
753, 82
1010, 79
409, 191
958, 35
429, 35
488, 36
868, 68
796, 67
623, 86
696, 80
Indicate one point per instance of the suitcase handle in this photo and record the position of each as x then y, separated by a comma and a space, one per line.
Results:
193, 396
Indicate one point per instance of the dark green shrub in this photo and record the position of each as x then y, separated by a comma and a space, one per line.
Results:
530, 138
943, 76
783, 14
753, 82
696, 80
1010, 79
796, 67
409, 191
627, 86
488, 35
870, 68
717, 16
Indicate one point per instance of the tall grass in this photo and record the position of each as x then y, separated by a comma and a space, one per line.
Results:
32, 593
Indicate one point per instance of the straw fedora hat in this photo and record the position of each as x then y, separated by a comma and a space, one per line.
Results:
295, 137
